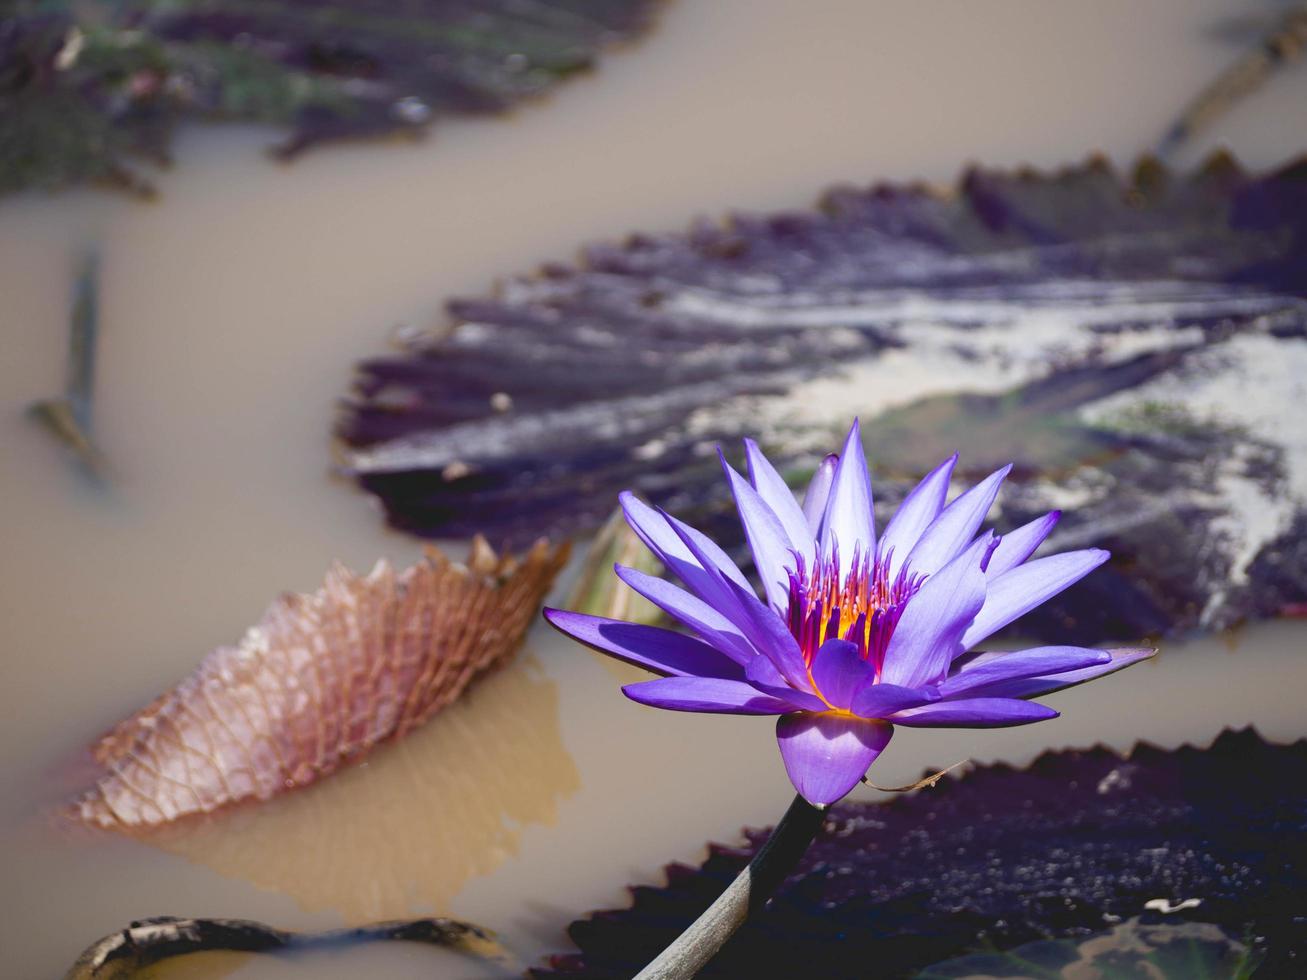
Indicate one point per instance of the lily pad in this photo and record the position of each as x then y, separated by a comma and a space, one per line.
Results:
1069, 849
86, 88
1135, 344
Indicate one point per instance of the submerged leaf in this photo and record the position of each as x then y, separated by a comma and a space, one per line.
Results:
1103, 333
320, 681
125, 953
1067, 848
68, 417
85, 87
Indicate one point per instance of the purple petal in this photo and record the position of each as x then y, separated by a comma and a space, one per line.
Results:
929, 633
827, 754
1013, 594
653, 529
762, 626
848, 522
1029, 687
768, 539
711, 625
838, 670
704, 580
716, 581
708, 694
988, 668
818, 493
659, 650
772, 487
915, 514
1016, 546
954, 529
762, 674
971, 713
880, 700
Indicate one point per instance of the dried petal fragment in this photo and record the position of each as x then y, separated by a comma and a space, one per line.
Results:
322, 679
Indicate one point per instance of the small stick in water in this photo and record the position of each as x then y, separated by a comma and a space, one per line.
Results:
1283, 45
68, 418
125, 953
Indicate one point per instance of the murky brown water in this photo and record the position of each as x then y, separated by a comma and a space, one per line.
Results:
231, 313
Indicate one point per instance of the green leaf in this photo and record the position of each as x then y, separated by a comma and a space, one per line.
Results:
1133, 950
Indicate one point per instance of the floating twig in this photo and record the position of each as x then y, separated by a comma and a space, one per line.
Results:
68, 418
318, 683
920, 783
1282, 46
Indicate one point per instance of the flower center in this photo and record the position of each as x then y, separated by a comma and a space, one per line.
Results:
862, 606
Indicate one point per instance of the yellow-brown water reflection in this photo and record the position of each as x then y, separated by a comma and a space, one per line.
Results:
198, 966
398, 960
409, 827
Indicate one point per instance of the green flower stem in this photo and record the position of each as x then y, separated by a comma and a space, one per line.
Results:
745, 896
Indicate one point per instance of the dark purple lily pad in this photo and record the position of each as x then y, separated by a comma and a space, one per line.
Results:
1068, 849
87, 87
1135, 345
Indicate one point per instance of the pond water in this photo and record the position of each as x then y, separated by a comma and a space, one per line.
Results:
231, 312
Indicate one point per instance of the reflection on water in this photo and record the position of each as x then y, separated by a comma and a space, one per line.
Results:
398, 960
198, 966
409, 827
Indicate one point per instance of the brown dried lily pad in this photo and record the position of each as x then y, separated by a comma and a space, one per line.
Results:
492, 766
320, 681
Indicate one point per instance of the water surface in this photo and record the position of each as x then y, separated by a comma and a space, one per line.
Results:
232, 311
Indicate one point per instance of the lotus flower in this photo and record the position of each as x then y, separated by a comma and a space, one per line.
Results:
853, 634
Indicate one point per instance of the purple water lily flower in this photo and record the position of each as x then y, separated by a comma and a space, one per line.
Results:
854, 635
